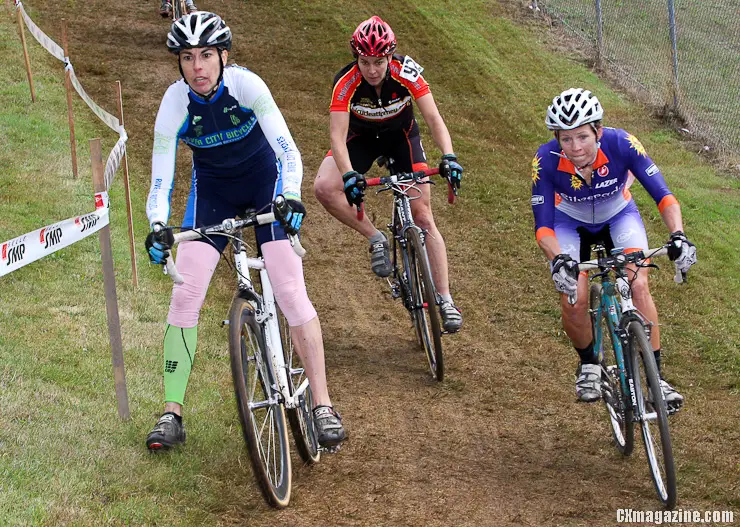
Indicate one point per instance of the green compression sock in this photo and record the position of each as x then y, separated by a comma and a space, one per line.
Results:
179, 352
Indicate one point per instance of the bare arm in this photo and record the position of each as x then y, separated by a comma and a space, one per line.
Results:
338, 127
672, 217
436, 124
550, 246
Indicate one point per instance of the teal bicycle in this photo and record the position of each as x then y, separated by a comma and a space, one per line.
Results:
630, 381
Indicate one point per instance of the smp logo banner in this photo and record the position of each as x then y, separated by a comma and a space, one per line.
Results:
86, 222
13, 251
51, 236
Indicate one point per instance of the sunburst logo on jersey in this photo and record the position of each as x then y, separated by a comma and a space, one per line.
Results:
536, 169
575, 182
636, 144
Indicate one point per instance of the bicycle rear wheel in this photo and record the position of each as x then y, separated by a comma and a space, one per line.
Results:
260, 410
424, 298
653, 415
301, 418
613, 391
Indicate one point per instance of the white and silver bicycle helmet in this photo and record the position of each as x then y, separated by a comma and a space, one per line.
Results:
199, 30
573, 108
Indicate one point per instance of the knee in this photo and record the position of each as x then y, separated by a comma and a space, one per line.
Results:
423, 218
321, 189
640, 289
187, 299
293, 301
576, 314
328, 181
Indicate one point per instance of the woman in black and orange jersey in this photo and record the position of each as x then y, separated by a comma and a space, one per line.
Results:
371, 115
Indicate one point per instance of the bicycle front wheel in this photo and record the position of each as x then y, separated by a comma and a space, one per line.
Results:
424, 299
300, 418
653, 415
260, 410
614, 390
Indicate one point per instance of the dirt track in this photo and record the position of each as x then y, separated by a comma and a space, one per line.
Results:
501, 441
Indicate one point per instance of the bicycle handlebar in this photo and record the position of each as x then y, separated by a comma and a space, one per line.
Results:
622, 260
402, 178
227, 226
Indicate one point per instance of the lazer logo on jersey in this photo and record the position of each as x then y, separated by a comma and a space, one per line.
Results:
227, 109
603, 171
50, 236
606, 183
13, 252
537, 199
87, 222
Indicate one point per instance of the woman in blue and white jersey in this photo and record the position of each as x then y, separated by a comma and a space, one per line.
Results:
243, 157
580, 196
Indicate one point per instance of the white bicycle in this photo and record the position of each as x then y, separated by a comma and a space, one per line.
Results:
269, 380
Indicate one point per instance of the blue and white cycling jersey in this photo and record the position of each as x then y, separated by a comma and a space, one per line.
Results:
238, 129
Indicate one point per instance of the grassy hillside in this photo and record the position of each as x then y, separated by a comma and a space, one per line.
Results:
500, 442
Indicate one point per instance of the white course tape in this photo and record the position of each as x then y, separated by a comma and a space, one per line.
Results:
104, 116
30, 247
114, 159
43, 39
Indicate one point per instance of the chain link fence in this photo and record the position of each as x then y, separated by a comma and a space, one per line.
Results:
683, 56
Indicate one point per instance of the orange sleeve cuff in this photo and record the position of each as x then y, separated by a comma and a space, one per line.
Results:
544, 232
666, 202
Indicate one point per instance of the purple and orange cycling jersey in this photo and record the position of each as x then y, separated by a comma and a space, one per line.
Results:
557, 186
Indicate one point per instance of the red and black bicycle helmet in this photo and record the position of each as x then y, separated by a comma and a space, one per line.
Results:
373, 38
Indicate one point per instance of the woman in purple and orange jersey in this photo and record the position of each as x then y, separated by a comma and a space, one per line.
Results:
580, 196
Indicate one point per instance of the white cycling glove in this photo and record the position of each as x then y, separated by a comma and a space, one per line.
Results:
681, 251
565, 275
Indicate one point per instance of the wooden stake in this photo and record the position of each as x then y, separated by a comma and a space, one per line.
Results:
70, 113
25, 54
109, 281
129, 210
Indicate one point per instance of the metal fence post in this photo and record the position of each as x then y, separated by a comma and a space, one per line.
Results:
599, 35
674, 50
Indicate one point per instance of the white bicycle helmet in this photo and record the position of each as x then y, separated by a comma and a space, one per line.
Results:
573, 108
198, 30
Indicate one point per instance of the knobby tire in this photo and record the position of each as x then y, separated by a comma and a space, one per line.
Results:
425, 303
265, 430
659, 450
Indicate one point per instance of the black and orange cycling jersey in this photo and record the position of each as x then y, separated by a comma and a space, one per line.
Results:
371, 113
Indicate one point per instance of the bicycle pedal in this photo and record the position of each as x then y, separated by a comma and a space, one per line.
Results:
330, 449
395, 288
670, 410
